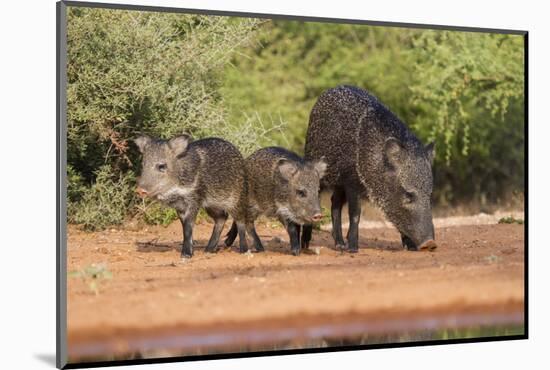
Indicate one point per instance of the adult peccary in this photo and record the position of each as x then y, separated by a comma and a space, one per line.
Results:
189, 175
281, 184
371, 154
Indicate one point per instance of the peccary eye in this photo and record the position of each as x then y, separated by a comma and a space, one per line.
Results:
301, 193
161, 167
410, 197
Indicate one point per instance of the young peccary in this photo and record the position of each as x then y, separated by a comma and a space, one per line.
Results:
189, 175
371, 154
281, 184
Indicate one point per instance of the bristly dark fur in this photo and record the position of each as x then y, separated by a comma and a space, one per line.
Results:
281, 184
371, 154
208, 173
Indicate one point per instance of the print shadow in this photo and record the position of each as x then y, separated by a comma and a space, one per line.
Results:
166, 246
278, 244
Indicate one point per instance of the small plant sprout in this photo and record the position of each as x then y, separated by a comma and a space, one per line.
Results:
93, 275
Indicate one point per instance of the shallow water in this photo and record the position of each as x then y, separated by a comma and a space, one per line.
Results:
347, 331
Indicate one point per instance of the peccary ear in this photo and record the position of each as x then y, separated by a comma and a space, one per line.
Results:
430, 151
179, 144
321, 167
142, 142
392, 151
287, 168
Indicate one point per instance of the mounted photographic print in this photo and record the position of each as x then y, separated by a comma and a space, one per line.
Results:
235, 184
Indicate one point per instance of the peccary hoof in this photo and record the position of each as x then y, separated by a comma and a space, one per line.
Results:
243, 249
340, 247
187, 250
352, 248
211, 249
295, 251
259, 248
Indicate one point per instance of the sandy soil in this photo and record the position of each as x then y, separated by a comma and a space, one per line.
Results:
146, 286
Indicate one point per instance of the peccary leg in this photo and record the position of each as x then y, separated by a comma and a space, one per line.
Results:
219, 217
354, 207
294, 234
306, 235
231, 235
187, 221
256, 239
243, 245
338, 200
408, 243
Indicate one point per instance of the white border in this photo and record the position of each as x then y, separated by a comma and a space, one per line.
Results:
27, 183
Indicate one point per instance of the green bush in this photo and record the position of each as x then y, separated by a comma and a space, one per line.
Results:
282, 75
156, 214
105, 203
510, 220
254, 82
325, 220
132, 72
75, 185
469, 89
463, 90
465, 83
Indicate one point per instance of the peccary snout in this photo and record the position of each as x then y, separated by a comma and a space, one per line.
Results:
141, 192
421, 238
426, 241
430, 245
317, 217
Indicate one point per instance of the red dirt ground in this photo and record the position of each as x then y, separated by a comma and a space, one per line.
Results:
475, 268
